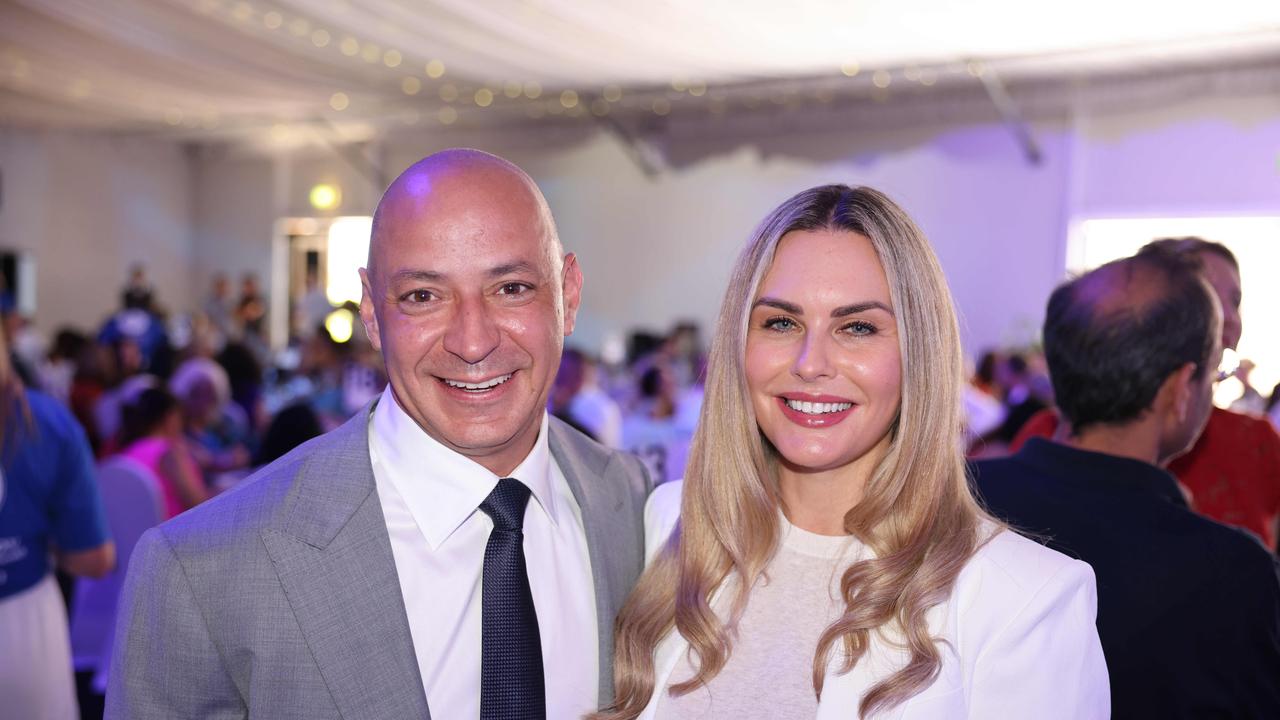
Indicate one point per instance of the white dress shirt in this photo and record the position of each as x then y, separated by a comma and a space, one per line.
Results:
430, 497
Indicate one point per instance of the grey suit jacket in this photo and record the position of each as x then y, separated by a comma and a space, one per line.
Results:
279, 599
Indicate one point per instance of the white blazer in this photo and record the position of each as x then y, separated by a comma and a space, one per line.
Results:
1019, 631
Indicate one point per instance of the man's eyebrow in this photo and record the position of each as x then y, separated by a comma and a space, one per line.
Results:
518, 266
511, 268
416, 275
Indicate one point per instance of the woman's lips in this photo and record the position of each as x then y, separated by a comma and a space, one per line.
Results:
815, 411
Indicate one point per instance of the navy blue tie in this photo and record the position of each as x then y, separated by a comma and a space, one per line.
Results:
511, 680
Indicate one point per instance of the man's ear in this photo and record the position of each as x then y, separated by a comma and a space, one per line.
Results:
1179, 391
572, 280
368, 315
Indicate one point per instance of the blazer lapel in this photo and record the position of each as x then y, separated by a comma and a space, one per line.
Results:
615, 534
333, 556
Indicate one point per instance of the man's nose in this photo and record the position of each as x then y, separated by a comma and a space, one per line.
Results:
472, 333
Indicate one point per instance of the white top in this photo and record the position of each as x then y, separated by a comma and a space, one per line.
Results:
1019, 633
771, 665
430, 497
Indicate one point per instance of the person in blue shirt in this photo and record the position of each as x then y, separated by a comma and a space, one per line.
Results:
50, 511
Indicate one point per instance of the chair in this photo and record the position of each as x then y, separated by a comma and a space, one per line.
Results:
132, 497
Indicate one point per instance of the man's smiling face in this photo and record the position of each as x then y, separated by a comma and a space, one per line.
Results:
469, 301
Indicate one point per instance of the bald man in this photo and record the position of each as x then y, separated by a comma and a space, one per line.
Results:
450, 552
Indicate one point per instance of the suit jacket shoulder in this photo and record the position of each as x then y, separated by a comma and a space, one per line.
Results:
330, 474
277, 599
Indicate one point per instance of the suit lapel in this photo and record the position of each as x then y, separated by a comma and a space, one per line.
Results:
333, 556
615, 537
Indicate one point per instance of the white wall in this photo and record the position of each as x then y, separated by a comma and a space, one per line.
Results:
89, 206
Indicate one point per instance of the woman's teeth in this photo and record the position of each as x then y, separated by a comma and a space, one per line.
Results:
812, 408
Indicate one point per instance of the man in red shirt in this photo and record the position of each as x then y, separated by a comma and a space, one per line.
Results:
1232, 473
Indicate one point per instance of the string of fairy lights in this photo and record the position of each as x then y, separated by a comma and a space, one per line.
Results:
429, 90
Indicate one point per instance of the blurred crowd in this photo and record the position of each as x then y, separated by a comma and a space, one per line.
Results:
199, 399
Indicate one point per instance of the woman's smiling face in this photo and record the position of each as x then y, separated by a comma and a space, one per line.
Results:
823, 364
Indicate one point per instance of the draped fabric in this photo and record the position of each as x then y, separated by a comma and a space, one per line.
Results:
211, 67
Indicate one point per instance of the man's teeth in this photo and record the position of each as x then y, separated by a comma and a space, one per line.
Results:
812, 408
478, 387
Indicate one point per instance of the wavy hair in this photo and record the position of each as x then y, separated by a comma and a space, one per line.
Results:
916, 514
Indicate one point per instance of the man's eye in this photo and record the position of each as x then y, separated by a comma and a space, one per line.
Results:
417, 296
513, 288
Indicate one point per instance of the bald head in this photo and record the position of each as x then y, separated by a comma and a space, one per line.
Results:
459, 186
1114, 335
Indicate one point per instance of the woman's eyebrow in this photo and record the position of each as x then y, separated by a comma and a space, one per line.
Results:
856, 308
782, 305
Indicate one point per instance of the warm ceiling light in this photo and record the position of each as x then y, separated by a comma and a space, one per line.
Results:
340, 323
392, 58
435, 69
512, 89
339, 101
881, 79
484, 97
851, 68
325, 196
320, 38
411, 85
350, 46
532, 90
568, 98
612, 93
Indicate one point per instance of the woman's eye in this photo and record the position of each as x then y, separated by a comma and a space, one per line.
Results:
781, 324
860, 328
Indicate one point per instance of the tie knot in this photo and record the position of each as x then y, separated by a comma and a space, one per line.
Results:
505, 505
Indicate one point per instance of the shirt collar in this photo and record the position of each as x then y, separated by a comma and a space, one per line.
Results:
443, 488
1095, 468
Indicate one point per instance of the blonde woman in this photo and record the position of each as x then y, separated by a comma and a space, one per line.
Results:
829, 560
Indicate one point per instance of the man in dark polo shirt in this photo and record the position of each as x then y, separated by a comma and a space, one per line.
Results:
1188, 609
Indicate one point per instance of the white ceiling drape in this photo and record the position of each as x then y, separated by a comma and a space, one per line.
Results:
223, 67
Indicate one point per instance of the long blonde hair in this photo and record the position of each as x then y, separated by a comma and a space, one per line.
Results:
916, 514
